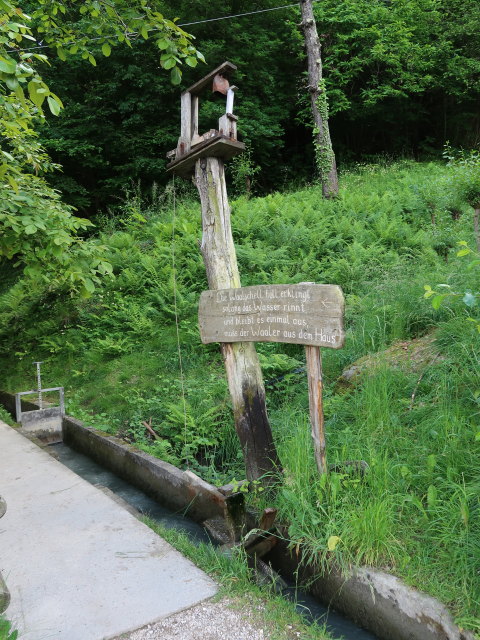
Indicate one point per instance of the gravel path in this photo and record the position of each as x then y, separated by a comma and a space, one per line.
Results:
221, 620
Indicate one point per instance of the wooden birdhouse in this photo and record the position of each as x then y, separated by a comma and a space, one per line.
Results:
219, 143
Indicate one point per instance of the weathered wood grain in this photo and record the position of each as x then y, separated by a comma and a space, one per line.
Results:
315, 398
307, 314
244, 375
218, 146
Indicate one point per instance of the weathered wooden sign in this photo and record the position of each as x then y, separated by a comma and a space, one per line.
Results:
307, 314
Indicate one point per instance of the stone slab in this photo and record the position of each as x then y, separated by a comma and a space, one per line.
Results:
78, 565
47, 420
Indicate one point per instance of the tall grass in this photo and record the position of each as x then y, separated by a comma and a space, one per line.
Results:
416, 511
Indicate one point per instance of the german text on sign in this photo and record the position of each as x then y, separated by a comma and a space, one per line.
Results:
308, 314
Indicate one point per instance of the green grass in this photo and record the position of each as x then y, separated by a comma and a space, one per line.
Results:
6, 417
416, 512
6, 630
237, 581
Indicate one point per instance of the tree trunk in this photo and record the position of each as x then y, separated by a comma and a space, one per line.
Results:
241, 361
324, 155
476, 225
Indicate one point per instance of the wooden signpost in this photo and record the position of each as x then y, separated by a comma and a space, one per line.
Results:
305, 314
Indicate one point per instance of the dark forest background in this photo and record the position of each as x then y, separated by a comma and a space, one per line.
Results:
403, 77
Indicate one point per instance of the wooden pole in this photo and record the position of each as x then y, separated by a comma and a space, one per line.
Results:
241, 361
326, 163
315, 397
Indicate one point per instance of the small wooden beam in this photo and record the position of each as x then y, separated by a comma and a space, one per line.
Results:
315, 397
194, 109
225, 69
235, 515
267, 519
216, 147
185, 139
261, 546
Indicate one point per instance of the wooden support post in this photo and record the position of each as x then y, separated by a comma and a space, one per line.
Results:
194, 115
315, 396
185, 140
241, 361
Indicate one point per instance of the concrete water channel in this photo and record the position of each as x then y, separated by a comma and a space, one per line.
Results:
337, 625
372, 598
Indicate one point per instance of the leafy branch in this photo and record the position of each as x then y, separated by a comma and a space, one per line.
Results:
469, 298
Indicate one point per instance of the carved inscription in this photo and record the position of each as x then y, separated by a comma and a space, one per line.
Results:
308, 314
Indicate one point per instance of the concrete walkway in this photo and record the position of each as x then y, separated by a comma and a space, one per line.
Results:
78, 565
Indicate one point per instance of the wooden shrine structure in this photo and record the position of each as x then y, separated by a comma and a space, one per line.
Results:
215, 143
309, 314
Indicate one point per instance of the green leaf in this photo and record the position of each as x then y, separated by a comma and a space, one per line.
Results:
54, 105
89, 286
7, 65
92, 60
144, 32
36, 93
477, 437
428, 291
13, 183
61, 53
12, 83
106, 49
332, 542
431, 496
191, 61
437, 300
176, 75
463, 252
30, 229
469, 299
168, 63
431, 462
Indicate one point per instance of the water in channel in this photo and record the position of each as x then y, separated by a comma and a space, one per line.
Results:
337, 625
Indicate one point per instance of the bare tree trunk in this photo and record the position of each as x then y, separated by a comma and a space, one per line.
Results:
241, 361
325, 157
476, 225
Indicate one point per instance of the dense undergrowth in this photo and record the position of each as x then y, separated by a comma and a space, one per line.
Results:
393, 230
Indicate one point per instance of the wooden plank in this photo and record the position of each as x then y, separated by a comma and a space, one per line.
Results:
194, 109
186, 122
217, 147
226, 68
315, 398
308, 314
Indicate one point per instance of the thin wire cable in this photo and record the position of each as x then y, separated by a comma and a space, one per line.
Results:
179, 350
240, 15
183, 24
